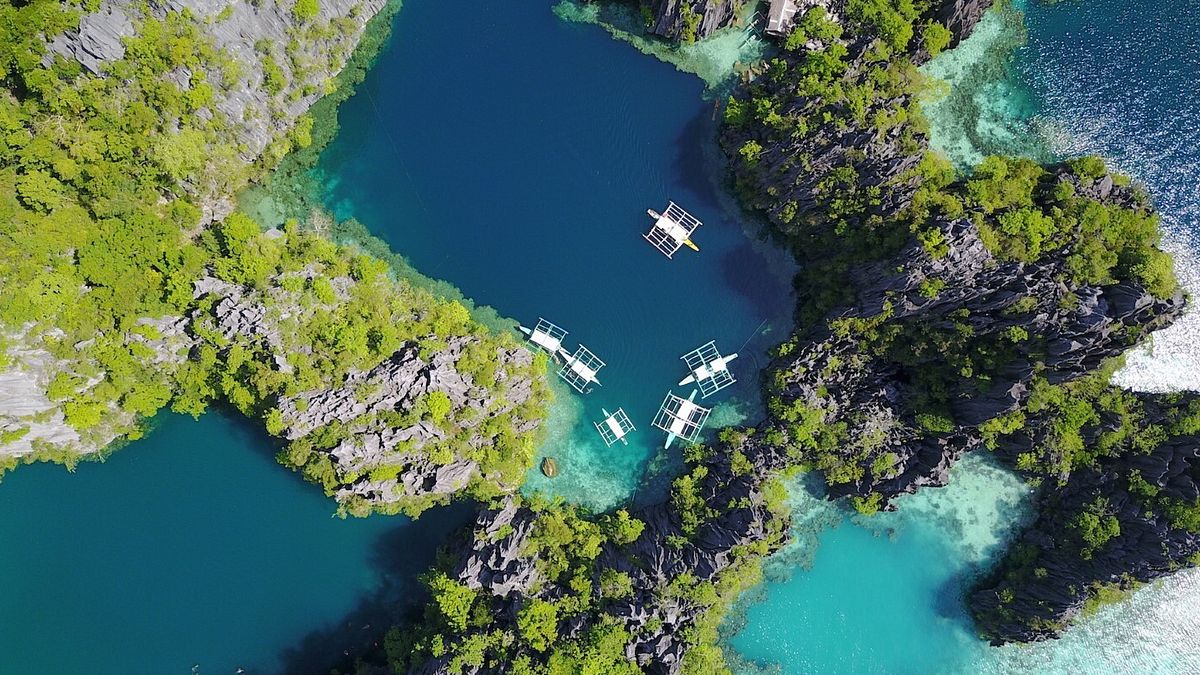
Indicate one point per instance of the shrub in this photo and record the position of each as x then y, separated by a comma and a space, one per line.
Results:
306, 10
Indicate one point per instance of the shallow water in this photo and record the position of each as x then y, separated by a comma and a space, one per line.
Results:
191, 547
513, 154
1099, 76
880, 594
517, 161
883, 595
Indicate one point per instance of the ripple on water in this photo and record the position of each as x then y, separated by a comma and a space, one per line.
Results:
1118, 80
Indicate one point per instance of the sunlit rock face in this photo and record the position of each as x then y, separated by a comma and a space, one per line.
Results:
307, 51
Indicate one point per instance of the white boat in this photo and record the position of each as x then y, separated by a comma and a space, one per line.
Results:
547, 337
614, 427
708, 370
681, 418
671, 230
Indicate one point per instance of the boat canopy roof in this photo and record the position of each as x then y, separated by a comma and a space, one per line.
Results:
709, 368
681, 417
673, 227
547, 336
615, 427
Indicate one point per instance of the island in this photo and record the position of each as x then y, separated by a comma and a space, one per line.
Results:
938, 314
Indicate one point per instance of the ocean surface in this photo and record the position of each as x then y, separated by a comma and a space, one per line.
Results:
884, 595
513, 154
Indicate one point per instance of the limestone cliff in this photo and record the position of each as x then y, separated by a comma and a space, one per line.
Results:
270, 61
692, 19
925, 339
258, 37
1124, 522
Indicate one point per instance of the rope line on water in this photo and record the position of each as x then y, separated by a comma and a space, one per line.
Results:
760, 325
396, 150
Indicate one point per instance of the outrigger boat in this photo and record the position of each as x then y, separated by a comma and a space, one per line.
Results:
680, 418
672, 229
708, 369
579, 369
614, 427
547, 337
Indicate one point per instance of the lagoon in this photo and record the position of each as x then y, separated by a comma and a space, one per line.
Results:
191, 551
515, 157
517, 161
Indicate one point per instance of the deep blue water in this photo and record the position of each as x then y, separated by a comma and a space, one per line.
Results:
1119, 79
514, 154
192, 547
515, 157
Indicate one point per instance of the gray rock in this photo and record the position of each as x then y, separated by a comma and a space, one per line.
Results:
257, 114
961, 16
99, 38
714, 15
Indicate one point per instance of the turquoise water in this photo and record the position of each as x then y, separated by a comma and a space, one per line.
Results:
192, 547
1099, 76
517, 161
513, 154
879, 594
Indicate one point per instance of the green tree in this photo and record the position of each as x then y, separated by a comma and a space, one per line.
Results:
306, 10
537, 622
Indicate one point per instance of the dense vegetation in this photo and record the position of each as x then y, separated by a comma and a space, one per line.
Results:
327, 312
110, 182
795, 139
96, 221
829, 143
1115, 491
460, 623
588, 570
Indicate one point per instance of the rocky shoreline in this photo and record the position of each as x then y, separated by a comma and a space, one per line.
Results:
939, 315
309, 53
391, 397
933, 322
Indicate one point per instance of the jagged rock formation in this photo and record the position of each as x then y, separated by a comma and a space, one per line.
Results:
32, 423
1052, 575
1075, 329
388, 445
308, 51
692, 19
400, 384
960, 16
98, 40
497, 559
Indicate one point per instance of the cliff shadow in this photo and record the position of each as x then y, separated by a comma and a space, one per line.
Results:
755, 268
400, 556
